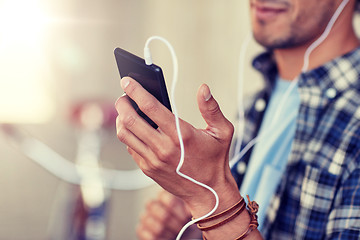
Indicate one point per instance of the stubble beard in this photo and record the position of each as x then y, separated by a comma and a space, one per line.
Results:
295, 36
288, 40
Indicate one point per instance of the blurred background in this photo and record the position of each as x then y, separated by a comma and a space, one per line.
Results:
58, 84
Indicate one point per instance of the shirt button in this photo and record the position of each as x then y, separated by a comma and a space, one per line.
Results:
257, 65
330, 93
241, 168
260, 105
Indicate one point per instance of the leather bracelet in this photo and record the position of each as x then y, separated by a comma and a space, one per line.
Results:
226, 220
216, 216
252, 208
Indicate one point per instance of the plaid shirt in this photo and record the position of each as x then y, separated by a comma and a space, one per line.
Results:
319, 194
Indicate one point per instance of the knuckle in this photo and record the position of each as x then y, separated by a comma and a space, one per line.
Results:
139, 232
153, 168
149, 205
214, 109
186, 136
150, 106
157, 227
144, 234
158, 231
164, 218
121, 134
164, 153
157, 166
119, 102
129, 120
175, 137
125, 121
147, 171
227, 133
229, 130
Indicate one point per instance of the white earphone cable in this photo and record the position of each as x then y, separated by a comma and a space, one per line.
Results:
147, 56
241, 113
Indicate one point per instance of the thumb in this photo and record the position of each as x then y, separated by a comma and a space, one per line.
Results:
211, 111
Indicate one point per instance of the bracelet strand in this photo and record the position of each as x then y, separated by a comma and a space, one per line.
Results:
216, 216
226, 220
252, 209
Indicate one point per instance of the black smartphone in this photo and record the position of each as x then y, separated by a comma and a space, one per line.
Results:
149, 76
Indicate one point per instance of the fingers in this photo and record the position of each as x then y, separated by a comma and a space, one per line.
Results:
128, 117
163, 218
151, 228
211, 112
178, 209
152, 147
208, 106
148, 104
161, 141
133, 130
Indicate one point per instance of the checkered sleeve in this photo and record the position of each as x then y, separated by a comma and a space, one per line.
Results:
344, 219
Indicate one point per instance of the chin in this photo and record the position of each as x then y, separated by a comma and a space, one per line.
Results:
274, 42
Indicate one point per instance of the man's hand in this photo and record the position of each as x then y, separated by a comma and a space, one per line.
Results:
163, 219
157, 151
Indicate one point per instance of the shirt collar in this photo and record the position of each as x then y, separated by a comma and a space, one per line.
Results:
265, 64
337, 75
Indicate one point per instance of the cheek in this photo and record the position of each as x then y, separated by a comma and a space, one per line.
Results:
313, 15
271, 31
310, 23
278, 25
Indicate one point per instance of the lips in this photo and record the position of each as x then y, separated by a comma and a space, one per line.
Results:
268, 10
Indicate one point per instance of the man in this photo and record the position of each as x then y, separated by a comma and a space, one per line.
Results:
317, 195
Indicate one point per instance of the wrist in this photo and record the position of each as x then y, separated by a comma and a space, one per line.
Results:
205, 200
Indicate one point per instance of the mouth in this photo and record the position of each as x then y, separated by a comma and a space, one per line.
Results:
268, 10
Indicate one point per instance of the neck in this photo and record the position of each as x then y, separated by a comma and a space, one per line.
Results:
342, 39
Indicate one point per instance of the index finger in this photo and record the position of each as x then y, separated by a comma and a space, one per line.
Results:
149, 105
